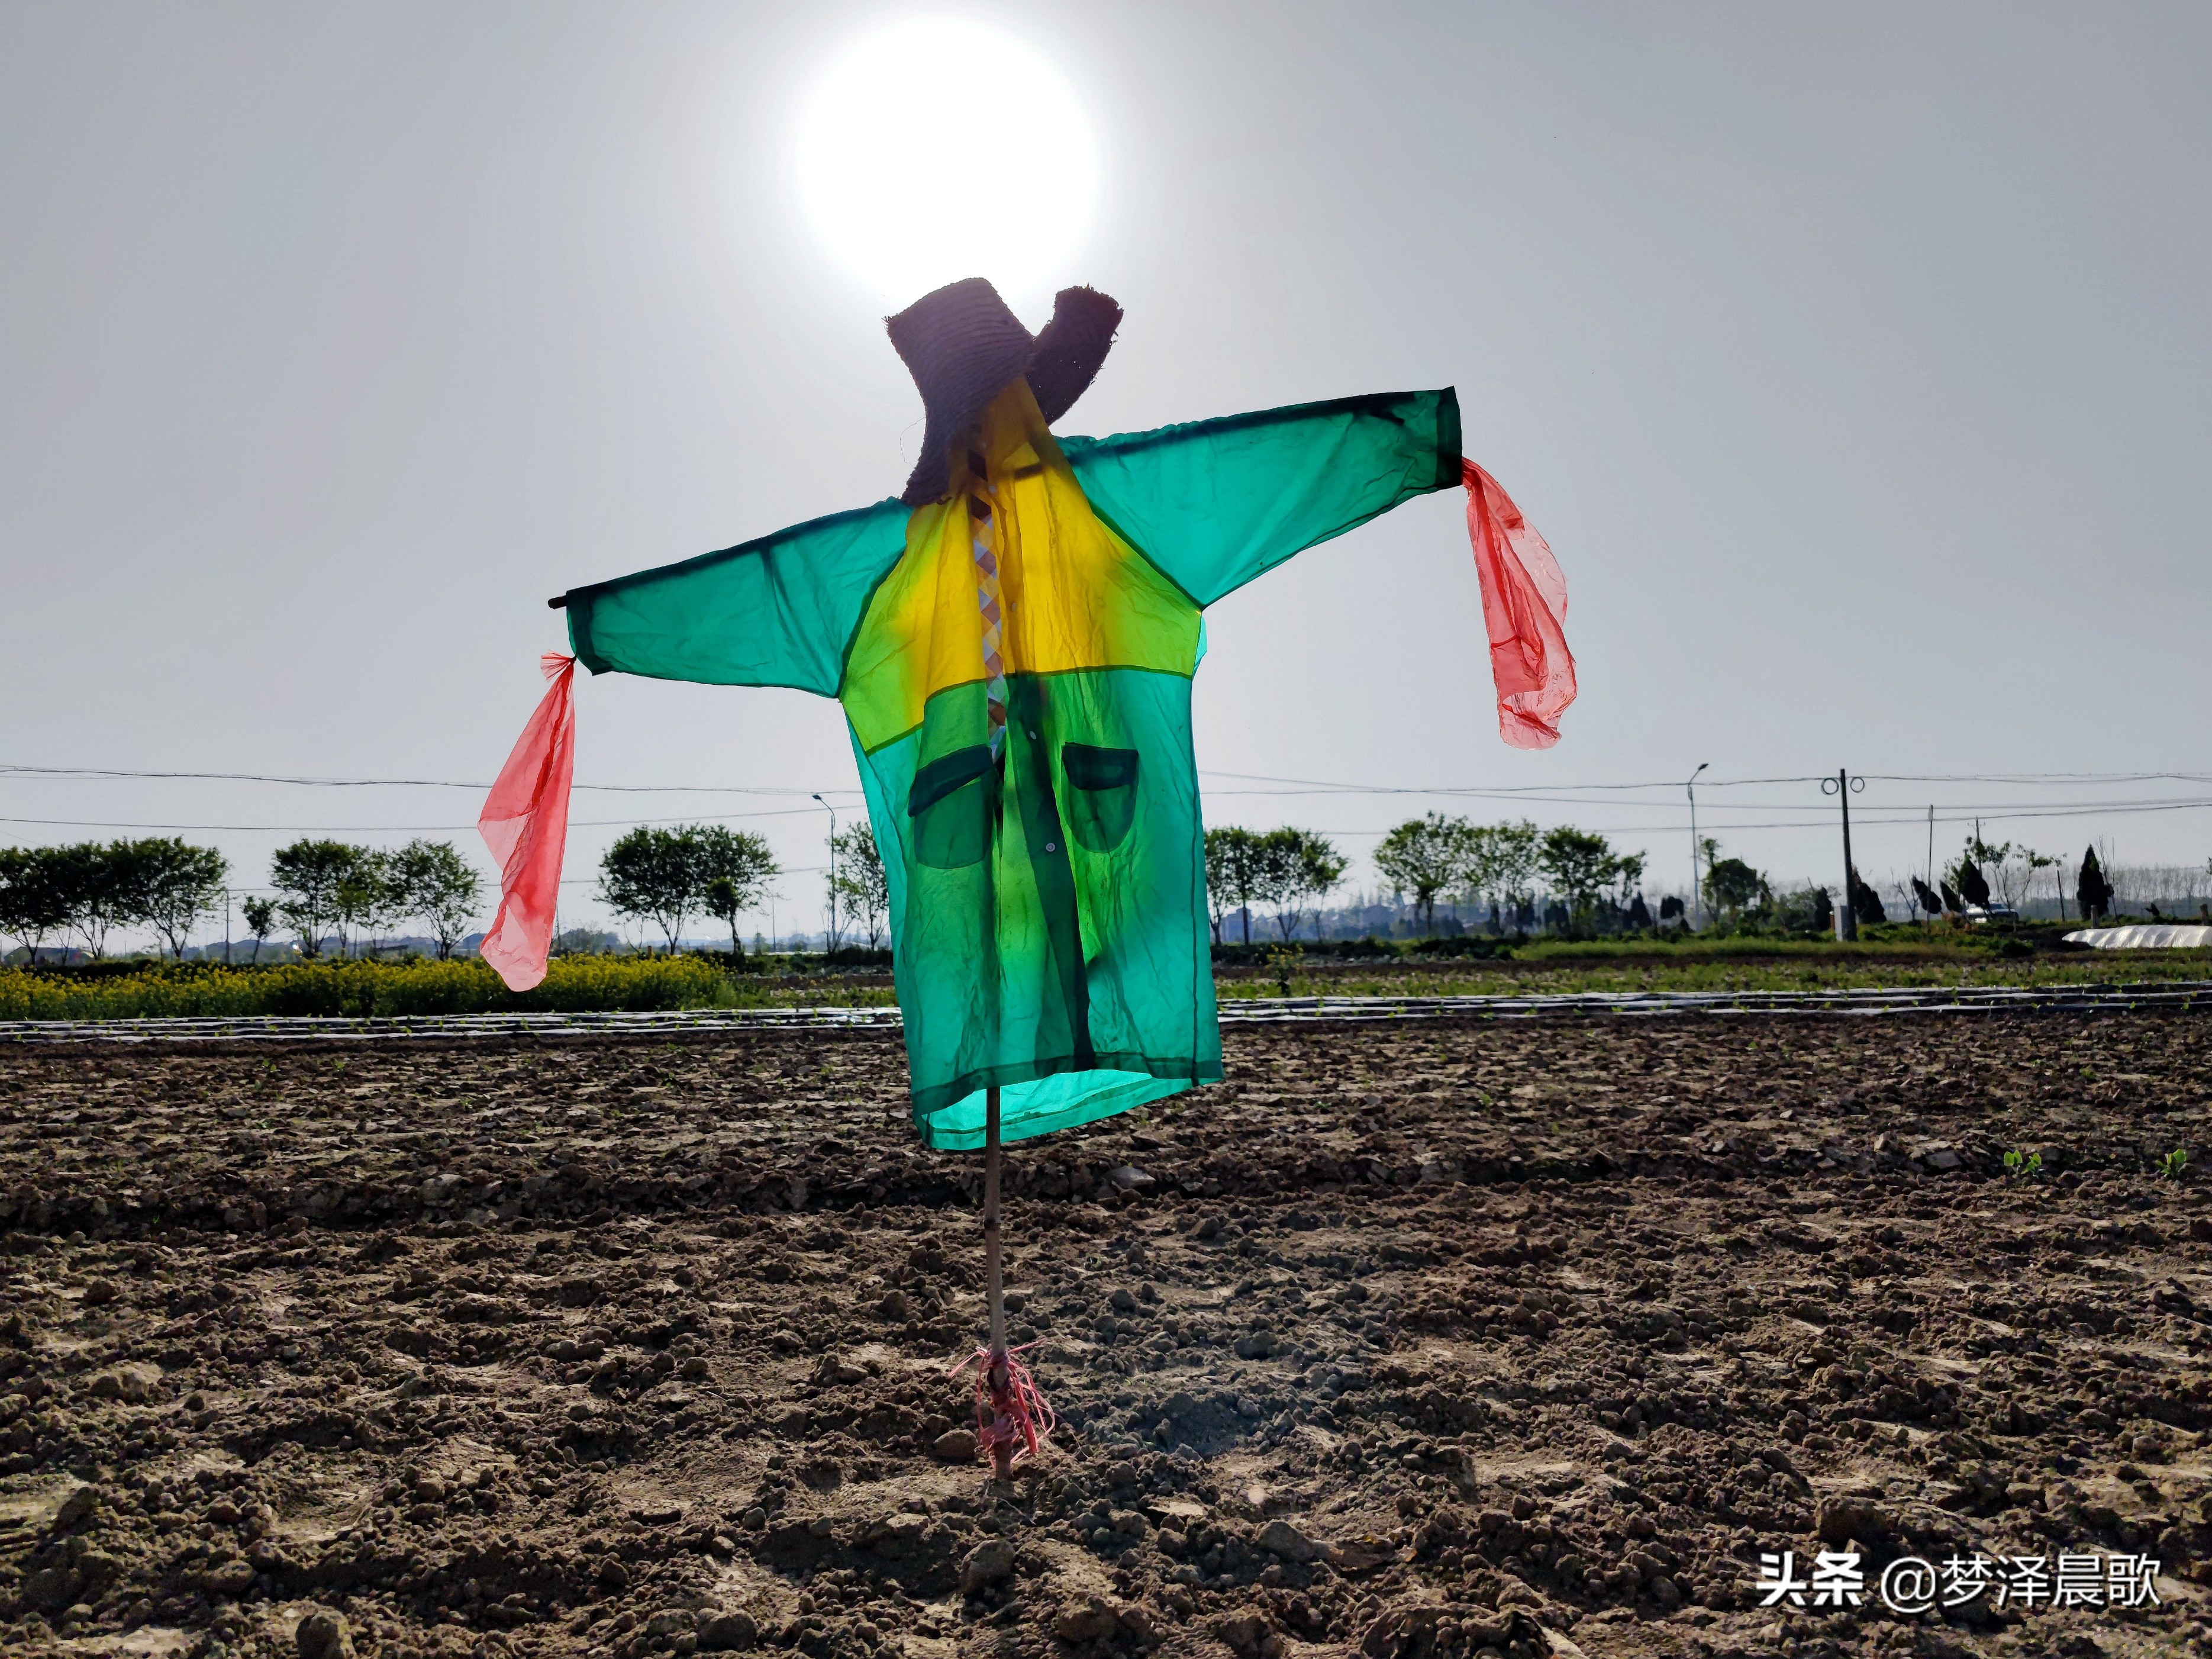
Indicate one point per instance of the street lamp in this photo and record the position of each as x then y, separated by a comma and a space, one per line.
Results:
1695, 915
831, 943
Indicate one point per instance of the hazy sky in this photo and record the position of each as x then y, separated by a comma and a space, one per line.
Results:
1852, 359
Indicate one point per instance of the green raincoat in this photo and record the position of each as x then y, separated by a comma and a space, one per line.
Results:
1015, 664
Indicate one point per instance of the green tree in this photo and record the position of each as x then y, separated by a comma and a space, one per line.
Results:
1969, 874
1866, 903
310, 878
1481, 856
735, 855
1502, 862
1733, 887
2091, 891
1425, 857
95, 885
171, 885
1295, 866
33, 899
723, 901
861, 882
1973, 886
732, 868
652, 875
1627, 877
368, 900
1582, 868
261, 919
1232, 875
430, 881
661, 876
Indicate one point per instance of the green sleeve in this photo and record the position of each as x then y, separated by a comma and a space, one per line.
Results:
1215, 503
775, 611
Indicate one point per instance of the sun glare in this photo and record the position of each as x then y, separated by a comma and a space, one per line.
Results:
939, 151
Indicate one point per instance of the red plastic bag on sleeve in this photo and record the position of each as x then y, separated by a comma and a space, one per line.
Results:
526, 824
1525, 602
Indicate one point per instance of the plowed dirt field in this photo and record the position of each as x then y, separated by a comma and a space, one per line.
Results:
1427, 1337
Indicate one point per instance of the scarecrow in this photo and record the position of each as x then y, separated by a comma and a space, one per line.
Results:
1013, 638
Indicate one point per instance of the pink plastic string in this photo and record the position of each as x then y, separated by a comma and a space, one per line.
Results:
525, 822
1015, 1414
1524, 604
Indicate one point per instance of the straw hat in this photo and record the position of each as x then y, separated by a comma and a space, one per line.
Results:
964, 346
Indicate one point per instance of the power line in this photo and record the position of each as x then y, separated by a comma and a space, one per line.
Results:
1985, 808
400, 829
1947, 813
566, 881
1503, 790
2082, 780
2085, 780
1532, 794
1960, 815
593, 881
91, 772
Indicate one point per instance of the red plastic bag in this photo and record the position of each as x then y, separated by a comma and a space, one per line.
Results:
526, 824
1525, 602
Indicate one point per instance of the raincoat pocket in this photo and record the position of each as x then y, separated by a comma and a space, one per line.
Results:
1102, 795
951, 806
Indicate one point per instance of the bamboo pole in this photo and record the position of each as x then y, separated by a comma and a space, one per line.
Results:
993, 1275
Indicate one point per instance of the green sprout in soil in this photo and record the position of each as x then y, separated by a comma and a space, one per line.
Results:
2171, 1166
2018, 1163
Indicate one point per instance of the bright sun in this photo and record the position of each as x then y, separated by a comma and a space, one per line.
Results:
939, 151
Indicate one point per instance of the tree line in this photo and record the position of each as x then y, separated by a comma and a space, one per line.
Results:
317, 888
1287, 870
1985, 878
356, 894
323, 890
659, 877
1504, 866
94, 887
1429, 860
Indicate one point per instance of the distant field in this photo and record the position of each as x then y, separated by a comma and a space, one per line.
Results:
575, 984
1724, 965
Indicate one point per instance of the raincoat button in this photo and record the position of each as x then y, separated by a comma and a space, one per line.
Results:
1052, 847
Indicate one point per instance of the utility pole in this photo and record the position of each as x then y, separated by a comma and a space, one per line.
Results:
1844, 786
1691, 789
830, 943
1932, 851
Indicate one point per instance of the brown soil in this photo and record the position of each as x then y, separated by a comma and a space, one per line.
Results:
1414, 1338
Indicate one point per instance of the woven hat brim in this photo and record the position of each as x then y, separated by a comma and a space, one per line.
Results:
1070, 348
964, 346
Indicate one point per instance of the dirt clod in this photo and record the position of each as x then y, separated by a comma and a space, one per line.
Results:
324, 1634
76, 1507
986, 1565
